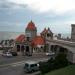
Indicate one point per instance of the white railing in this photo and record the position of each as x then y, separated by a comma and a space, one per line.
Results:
69, 43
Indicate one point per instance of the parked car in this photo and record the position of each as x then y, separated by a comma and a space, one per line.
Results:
14, 53
7, 54
50, 53
28, 54
31, 66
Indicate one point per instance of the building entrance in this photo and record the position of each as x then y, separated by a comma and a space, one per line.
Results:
18, 48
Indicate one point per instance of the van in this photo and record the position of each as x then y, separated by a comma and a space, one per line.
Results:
31, 66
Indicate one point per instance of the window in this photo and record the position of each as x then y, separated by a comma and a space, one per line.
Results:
28, 38
48, 35
32, 65
35, 64
26, 65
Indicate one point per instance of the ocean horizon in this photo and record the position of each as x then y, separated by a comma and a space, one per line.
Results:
4, 35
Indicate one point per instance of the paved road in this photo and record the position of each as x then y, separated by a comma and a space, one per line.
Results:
16, 68
5, 60
15, 65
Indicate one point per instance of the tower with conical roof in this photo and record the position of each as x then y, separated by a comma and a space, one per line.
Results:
31, 31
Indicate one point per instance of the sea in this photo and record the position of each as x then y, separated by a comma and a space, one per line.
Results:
5, 35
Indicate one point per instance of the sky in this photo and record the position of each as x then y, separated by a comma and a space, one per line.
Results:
56, 14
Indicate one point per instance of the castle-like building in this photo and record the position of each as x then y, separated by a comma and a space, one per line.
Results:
73, 32
31, 42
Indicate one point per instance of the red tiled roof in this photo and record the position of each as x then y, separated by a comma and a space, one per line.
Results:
20, 38
38, 40
31, 26
44, 31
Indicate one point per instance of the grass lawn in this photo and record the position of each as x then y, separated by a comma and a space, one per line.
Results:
70, 70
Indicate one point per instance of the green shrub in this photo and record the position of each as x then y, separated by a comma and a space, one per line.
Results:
61, 61
52, 64
44, 67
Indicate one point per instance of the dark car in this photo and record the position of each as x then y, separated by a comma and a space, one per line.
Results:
14, 53
28, 54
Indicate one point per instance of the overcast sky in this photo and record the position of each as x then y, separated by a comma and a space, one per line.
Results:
56, 14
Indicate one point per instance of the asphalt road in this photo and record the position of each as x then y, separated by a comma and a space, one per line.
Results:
16, 64
14, 70
8, 60
17, 70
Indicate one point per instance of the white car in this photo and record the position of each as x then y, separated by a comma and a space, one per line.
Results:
50, 53
7, 54
31, 66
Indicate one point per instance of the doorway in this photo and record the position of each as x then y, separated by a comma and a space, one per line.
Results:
27, 48
18, 48
22, 48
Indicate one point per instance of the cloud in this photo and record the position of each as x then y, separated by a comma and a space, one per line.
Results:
7, 23
6, 4
10, 26
58, 6
15, 14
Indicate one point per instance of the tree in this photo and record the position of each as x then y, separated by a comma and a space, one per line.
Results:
61, 60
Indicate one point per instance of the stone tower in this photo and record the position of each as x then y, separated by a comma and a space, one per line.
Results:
73, 32
31, 31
